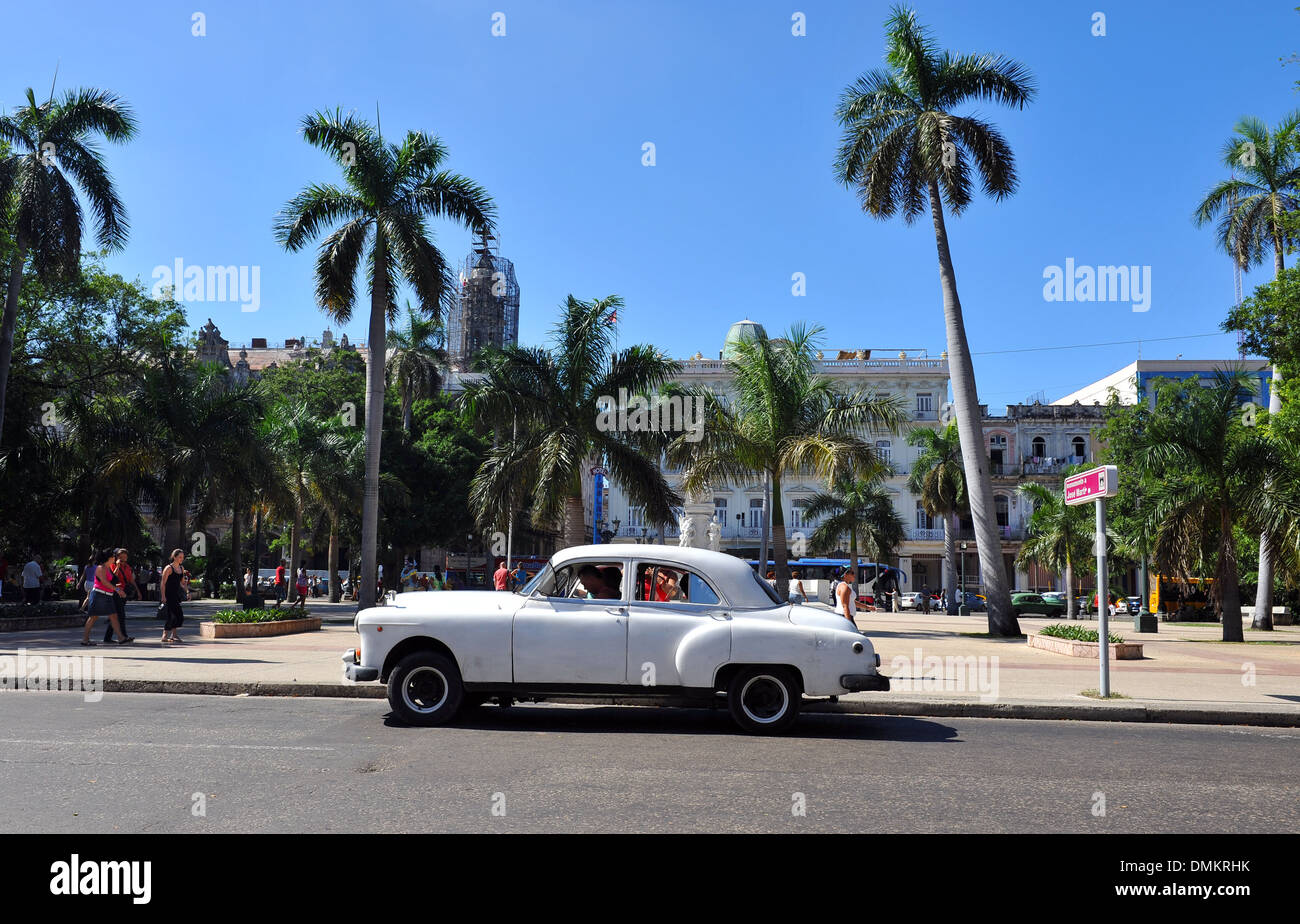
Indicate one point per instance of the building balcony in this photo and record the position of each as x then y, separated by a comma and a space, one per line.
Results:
917, 534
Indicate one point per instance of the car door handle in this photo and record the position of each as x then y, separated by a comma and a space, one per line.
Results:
720, 615
616, 612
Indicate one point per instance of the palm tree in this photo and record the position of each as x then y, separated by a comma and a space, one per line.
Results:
1208, 472
295, 437
1253, 215
902, 144
862, 508
52, 158
333, 470
416, 359
1059, 537
938, 479
553, 398
782, 418
389, 193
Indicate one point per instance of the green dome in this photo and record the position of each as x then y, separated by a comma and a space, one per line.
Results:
741, 330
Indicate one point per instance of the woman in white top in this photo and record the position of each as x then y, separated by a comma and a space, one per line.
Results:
797, 593
846, 603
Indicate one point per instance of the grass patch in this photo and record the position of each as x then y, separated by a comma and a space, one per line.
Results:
1077, 633
1096, 694
233, 616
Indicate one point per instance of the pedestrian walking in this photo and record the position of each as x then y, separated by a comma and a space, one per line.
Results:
33, 580
281, 585
925, 598
124, 579
520, 576
797, 593
302, 585
101, 599
248, 582
173, 590
846, 603
87, 585
501, 577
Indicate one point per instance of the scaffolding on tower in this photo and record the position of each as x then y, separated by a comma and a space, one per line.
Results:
486, 312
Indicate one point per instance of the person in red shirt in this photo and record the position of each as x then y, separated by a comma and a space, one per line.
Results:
501, 577
124, 578
280, 584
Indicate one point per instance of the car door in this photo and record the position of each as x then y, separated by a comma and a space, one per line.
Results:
564, 639
699, 619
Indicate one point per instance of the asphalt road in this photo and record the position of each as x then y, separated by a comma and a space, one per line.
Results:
136, 762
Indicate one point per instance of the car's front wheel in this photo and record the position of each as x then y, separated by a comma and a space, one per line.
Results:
425, 689
764, 700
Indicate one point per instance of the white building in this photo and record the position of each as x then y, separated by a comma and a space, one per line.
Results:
921, 382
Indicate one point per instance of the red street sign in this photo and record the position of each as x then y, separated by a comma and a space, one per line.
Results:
1090, 485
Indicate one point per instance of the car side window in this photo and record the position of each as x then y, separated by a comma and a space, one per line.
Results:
588, 580
657, 583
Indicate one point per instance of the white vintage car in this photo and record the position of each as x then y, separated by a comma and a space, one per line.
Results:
681, 626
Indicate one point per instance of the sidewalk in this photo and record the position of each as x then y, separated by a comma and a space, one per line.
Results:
1186, 675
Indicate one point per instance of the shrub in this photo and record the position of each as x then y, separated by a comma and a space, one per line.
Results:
48, 608
1076, 633
255, 615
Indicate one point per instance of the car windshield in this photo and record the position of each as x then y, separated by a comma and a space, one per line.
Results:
537, 579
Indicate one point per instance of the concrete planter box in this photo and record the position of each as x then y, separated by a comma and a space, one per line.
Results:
258, 629
62, 615
1123, 651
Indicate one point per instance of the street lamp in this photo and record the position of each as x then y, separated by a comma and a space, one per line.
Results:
962, 609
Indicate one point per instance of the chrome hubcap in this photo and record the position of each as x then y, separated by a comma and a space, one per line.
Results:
425, 689
764, 699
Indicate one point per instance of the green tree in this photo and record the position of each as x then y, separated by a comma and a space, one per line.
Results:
938, 480
1060, 536
1208, 471
1251, 214
903, 146
52, 157
390, 192
416, 359
782, 418
862, 509
546, 405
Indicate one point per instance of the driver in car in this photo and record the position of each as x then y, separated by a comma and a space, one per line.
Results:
594, 583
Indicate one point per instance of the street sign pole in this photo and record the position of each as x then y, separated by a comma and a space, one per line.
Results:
1103, 601
1096, 485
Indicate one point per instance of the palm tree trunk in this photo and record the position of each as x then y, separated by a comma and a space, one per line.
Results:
236, 552
950, 561
293, 550
374, 421
853, 563
334, 558
574, 522
1229, 587
779, 554
979, 482
1071, 611
406, 407
257, 551
10, 322
1263, 615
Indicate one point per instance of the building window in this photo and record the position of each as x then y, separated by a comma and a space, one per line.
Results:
1000, 508
1039, 447
797, 520
720, 510
1080, 448
885, 450
636, 517
922, 518
755, 512
924, 403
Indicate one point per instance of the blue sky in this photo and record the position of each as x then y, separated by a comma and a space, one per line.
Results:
1120, 144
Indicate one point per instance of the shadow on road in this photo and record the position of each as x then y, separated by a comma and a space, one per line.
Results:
679, 721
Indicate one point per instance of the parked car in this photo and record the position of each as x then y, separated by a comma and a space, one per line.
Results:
976, 603
651, 621
1055, 596
910, 601
1025, 604
1134, 605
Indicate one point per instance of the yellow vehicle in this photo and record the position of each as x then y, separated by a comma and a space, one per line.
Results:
1178, 599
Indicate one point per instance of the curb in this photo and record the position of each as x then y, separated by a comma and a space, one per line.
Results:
1083, 712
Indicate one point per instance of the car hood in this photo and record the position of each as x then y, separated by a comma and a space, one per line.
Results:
819, 619
411, 606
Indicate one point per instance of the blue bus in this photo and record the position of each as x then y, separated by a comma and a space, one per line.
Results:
817, 574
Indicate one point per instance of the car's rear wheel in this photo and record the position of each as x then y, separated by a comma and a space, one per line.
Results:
425, 689
764, 700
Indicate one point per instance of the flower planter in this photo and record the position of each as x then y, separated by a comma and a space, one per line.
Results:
1119, 651
258, 629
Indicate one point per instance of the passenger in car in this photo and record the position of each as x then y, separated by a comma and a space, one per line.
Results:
613, 578
594, 583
